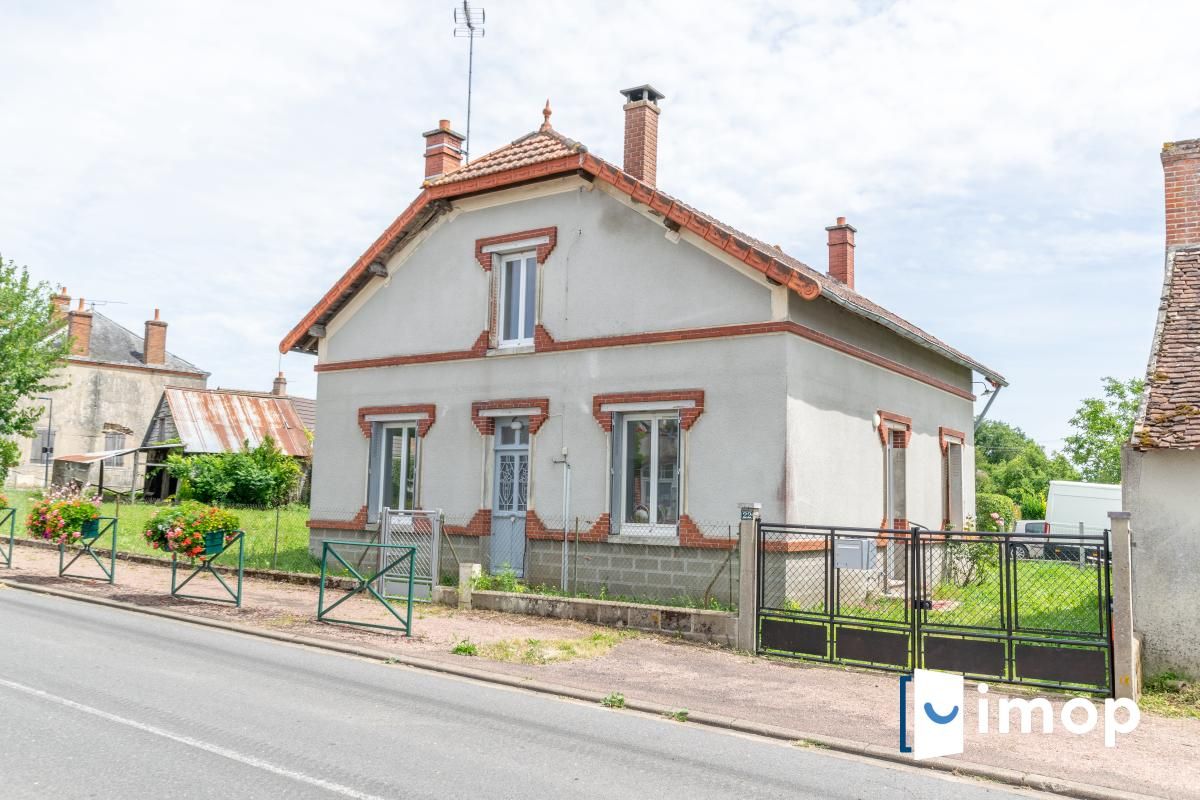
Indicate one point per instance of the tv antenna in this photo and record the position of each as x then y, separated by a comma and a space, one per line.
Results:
469, 25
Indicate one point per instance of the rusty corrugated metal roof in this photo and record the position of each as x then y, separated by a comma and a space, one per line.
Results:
92, 458
221, 420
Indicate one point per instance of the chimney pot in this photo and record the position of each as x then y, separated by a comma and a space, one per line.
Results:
443, 150
154, 345
79, 328
841, 251
1181, 179
641, 132
279, 386
62, 303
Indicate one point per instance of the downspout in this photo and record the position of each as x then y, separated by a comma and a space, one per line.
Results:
983, 414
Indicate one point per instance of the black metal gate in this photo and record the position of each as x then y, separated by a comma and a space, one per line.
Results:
1012, 608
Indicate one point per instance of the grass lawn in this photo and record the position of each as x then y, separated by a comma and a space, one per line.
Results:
259, 526
1051, 596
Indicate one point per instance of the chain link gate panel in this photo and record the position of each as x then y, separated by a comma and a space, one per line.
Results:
421, 530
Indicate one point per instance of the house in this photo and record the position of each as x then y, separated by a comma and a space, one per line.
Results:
540, 309
194, 421
112, 382
1161, 463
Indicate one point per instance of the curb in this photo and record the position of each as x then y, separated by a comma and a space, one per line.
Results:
1026, 780
277, 575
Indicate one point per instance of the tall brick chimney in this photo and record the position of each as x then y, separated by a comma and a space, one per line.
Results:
79, 327
154, 346
1181, 175
279, 386
443, 150
841, 251
641, 132
62, 303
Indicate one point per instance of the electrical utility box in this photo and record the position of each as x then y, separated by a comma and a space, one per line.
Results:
857, 553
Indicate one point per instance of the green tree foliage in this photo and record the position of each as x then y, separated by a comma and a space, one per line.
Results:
1009, 463
987, 504
1101, 426
258, 476
30, 353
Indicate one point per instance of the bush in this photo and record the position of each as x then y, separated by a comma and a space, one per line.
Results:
181, 529
259, 476
10, 456
988, 504
58, 515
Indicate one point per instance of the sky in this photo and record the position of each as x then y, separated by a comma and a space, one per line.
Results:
227, 161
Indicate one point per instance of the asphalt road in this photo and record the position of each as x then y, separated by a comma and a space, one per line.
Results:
99, 703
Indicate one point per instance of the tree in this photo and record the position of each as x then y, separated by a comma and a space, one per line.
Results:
1101, 426
31, 350
1010, 463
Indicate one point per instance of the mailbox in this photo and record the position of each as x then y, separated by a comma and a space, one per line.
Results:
856, 553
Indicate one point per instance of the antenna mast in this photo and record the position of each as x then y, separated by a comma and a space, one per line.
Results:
469, 25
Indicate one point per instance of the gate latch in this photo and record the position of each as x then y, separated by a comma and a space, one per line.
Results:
923, 605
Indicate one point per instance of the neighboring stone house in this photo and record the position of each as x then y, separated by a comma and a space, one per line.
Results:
541, 305
199, 420
113, 380
1161, 470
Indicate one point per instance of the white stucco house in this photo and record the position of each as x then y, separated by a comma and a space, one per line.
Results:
1161, 463
541, 305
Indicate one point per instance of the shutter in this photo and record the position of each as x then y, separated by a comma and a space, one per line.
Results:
955, 485
616, 511
373, 472
899, 504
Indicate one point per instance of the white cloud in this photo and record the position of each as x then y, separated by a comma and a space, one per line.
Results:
227, 161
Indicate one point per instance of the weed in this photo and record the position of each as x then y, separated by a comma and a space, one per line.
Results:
1172, 696
614, 700
679, 716
465, 648
538, 651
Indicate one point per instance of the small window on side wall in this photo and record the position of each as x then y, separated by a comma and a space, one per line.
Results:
114, 441
518, 298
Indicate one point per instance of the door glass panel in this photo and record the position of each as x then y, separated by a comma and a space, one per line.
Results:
512, 300
638, 470
506, 481
668, 472
522, 480
530, 297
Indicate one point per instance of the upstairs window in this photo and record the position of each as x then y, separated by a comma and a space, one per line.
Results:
518, 298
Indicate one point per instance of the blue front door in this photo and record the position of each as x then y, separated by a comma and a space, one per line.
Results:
510, 494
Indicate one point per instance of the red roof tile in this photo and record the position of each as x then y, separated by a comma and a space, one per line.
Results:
1170, 416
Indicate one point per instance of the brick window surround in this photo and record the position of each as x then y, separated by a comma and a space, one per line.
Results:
487, 425
891, 422
542, 252
687, 416
948, 436
427, 412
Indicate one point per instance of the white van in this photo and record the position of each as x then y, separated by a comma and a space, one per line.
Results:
1070, 503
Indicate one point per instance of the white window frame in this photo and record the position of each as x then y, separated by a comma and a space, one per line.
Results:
523, 314
384, 457
654, 528
890, 495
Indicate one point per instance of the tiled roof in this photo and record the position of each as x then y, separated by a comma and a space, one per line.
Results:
113, 343
1170, 415
534, 148
545, 153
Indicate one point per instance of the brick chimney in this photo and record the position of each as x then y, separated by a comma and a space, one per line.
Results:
443, 150
1181, 175
641, 132
79, 326
279, 386
154, 346
841, 251
62, 303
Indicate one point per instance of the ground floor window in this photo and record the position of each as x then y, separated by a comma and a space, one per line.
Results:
114, 441
649, 473
952, 469
42, 449
397, 469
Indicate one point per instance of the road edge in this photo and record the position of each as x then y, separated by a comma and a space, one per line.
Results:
1024, 780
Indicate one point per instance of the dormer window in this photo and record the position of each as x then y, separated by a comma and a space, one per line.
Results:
518, 298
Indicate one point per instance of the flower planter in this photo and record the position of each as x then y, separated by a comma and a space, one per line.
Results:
90, 529
214, 543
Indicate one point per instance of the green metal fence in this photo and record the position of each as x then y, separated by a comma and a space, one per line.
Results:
92, 532
8, 516
216, 544
405, 557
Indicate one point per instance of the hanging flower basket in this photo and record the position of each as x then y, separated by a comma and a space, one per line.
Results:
62, 515
191, 530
